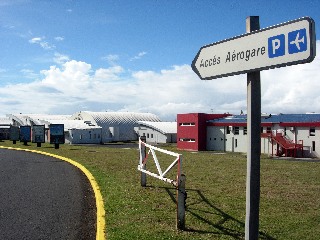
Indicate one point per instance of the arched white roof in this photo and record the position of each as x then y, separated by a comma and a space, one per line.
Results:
73, 124
29, 119
114, 118
116, 126
5, 121
163, 127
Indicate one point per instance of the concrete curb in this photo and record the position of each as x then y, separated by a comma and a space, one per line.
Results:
100, 235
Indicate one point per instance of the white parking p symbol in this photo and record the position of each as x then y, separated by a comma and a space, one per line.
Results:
275, 45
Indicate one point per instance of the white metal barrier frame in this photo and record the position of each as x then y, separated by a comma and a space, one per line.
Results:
161, 174
179, 183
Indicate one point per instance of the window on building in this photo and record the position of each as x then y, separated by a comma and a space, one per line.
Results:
236, 130
187, 140
245, 131
312, 131
236, 143
261, 130
313, 146
228, 129
268, 129
187, 124
151, 135
147, 135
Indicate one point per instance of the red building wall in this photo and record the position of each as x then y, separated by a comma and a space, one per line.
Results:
192, 130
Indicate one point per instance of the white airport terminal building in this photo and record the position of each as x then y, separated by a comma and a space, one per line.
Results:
157, 132
290, 135
84, 127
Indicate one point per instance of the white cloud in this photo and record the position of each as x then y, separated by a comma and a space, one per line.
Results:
42, 43
76, 85
111, 59
292, 89
59, 39
108, 74
35, 40
60, 58
140, 55
72, 79
29, 73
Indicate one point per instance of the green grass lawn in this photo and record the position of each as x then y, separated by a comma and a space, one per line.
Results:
289, 203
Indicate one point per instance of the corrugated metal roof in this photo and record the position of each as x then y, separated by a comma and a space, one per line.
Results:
115, 118
25, 119
5, 121
279, 118
48, 117
117, 126
74, 124
163, 127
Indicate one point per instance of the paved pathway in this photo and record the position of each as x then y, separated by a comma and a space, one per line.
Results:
42, 197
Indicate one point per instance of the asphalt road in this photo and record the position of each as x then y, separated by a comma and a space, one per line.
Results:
42, 197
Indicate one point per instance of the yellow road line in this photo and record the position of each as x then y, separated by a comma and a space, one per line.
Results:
100, 235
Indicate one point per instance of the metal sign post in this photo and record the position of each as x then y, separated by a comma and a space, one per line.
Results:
254, 145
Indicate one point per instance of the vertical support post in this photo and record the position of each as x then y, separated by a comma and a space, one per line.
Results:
181, 201
254, 145
143, 156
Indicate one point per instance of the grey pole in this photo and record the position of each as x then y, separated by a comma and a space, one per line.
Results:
143, 178
254, 145
181, 202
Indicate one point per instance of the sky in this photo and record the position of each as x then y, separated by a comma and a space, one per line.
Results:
65, 56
